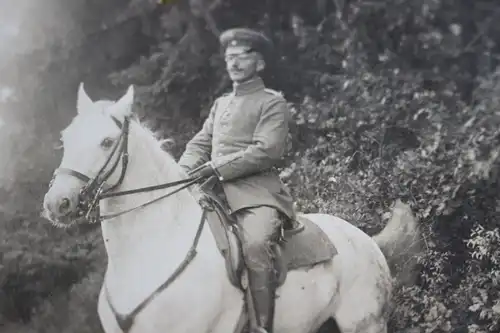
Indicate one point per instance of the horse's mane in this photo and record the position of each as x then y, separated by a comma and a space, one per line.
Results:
158, 135
142, 129
156, 138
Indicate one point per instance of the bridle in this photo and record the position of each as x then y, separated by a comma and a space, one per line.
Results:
96, 189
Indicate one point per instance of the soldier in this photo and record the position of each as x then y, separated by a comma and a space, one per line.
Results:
241, 142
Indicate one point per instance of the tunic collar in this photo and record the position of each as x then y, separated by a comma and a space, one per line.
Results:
248, 87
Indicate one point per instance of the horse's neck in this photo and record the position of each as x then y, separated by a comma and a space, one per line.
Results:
161, 232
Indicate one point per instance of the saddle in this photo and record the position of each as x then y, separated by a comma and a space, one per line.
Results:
301, 244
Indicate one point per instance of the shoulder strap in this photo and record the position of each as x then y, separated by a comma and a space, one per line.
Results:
273, 92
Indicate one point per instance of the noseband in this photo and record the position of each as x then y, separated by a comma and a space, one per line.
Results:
89, 196
94, 191
95, 188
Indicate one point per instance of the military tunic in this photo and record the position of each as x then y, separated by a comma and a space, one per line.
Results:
244, 137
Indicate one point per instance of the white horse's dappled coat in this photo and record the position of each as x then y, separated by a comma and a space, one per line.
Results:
145, 246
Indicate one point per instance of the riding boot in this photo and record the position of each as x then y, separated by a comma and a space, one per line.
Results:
263, 290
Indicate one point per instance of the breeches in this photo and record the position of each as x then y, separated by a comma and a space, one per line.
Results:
259, 229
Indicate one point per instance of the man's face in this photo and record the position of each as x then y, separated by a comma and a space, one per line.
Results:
242, 63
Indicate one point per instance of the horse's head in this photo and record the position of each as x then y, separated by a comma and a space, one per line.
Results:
94, 157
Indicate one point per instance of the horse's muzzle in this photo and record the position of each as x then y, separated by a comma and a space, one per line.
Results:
60, 207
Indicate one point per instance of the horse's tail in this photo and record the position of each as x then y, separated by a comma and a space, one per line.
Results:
401, 243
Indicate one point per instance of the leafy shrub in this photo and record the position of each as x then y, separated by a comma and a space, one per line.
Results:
75, 311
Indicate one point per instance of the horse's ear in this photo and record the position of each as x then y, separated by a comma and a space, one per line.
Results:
123, 107
83, 103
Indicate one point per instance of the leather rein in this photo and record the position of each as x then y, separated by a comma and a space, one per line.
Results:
95, 190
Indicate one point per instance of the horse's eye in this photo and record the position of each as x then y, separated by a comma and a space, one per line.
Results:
107, 143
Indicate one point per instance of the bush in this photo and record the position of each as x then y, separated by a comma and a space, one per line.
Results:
382, 136
74, 311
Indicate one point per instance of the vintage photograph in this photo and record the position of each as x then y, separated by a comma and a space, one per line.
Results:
234, 166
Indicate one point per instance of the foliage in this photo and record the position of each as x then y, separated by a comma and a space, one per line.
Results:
393, 100
382, 137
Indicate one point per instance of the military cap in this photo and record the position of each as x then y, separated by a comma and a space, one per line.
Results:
246, 37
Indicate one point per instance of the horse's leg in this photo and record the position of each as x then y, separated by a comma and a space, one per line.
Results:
364, 309
357, 315
329, 326
372, 326
363, 298
364, 325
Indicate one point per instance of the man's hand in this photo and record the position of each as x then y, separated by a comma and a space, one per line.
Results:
203, 171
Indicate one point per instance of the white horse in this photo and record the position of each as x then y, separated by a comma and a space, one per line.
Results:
147, 245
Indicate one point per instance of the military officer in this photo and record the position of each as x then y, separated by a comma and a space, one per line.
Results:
241, 141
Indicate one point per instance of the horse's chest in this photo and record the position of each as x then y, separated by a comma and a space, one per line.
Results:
189, 304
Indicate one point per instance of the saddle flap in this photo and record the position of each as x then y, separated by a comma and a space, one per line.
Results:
303, 243
222, 226
307, 245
